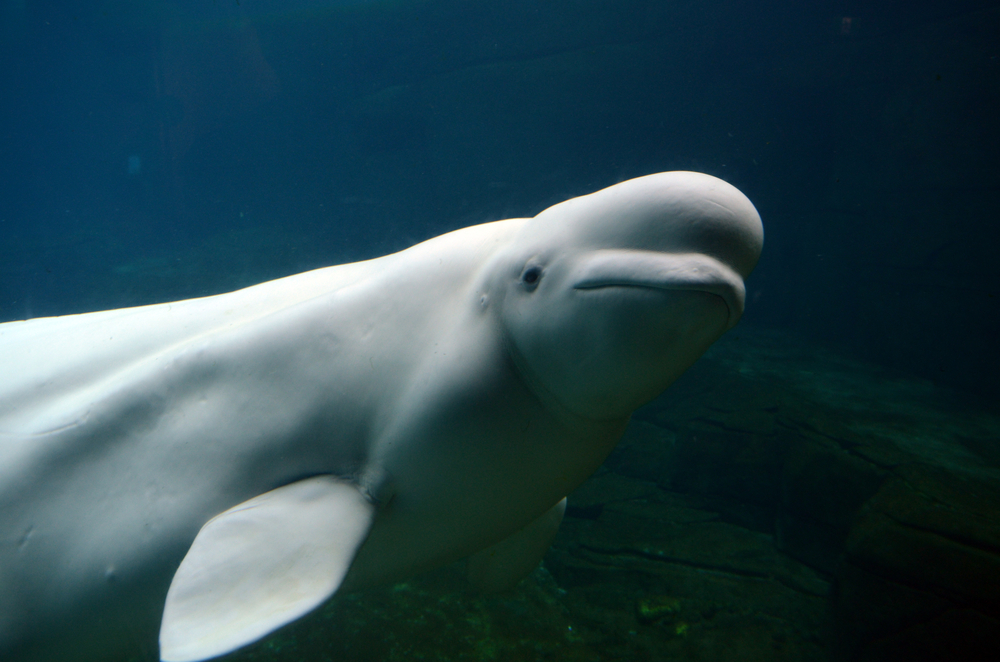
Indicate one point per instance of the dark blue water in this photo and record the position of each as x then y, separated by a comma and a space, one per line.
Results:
154, 151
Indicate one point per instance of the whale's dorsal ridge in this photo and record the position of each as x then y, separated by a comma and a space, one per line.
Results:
261, 564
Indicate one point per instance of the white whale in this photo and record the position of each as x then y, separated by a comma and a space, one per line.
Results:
213, 469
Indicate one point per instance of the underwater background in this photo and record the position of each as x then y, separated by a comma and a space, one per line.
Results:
823, 484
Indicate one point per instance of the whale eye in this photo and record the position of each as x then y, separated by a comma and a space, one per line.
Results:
531, 276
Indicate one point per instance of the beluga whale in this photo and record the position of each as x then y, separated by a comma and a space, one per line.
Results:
197, 474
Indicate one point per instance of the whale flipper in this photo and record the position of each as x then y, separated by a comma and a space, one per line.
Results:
262, 564
501, 566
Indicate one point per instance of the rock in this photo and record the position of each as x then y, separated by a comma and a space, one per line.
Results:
912, 539
735, 473
867, 606
890, 487
957, 634
923, 555
823, 486
706, 588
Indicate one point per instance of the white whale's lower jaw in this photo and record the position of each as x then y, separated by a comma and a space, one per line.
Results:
649, 337
662, 271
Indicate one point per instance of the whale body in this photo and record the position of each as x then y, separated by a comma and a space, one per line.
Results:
194, 475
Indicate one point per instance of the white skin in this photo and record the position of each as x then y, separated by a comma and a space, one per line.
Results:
467, 384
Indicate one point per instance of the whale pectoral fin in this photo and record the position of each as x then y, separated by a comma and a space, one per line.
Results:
263, 564
501, 566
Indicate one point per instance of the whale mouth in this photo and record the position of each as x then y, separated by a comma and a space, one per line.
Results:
662, 271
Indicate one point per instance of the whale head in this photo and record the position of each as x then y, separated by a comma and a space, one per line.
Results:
607, 298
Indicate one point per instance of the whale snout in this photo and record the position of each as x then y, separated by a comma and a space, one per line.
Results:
662, 271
